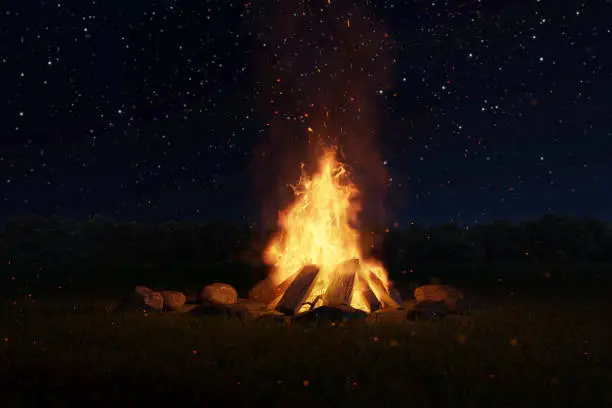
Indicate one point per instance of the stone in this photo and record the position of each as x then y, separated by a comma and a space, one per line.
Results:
153, 300
173, 300
438, 293
143, 290
428, 309
219, 293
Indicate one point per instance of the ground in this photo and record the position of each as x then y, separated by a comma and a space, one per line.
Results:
520, 352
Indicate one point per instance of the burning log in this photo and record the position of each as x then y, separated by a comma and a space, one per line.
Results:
298, 290
348, 285
318, 228
368, 294
395, 295
265, 291
340, 289
381, 292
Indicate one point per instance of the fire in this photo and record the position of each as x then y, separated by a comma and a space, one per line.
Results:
319, 229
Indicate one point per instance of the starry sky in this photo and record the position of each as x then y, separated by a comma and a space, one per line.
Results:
176, 109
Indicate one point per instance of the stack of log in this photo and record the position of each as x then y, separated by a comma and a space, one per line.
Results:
290, 297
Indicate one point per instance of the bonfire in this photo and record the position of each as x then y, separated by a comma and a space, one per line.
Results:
316, 258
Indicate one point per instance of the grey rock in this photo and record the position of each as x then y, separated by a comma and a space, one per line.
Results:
219, 293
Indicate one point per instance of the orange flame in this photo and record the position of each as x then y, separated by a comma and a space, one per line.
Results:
318, 229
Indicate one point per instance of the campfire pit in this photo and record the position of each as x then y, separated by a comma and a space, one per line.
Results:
316, 257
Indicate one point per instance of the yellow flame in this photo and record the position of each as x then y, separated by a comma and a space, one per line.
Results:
318, 229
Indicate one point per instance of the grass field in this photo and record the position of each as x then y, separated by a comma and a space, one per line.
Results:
554, 351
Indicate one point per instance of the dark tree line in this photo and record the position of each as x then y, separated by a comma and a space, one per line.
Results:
548, 239
55, 251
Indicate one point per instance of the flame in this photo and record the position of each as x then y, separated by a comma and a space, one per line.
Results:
318, 228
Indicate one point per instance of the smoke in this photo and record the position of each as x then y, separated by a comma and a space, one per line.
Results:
322, 73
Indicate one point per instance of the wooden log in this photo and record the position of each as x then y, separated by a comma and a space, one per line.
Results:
340, 288
282, 288
279, 291
298, 290
381, 292
266, 291
395, 295
367, 292
263, 291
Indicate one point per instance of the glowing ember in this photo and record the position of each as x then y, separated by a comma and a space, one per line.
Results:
318, 229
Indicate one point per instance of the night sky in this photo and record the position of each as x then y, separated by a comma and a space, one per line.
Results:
173, 109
